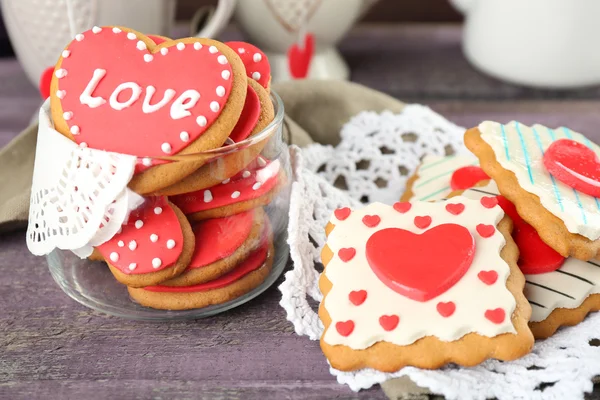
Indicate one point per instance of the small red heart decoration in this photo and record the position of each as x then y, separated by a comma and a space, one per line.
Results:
357, 297
446, 309
342, 213
389, 322
455, 209
299, 57
45, 80
488, 277
575, 165
422, 221
466, 177
535, 256
486, 231
347, 254
402, 207
371, 221
345, 328
403, 260
496, 315
489, 202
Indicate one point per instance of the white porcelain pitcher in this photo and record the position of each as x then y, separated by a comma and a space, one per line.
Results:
542, 43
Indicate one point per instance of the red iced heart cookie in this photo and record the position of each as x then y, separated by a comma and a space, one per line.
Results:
446, 309
342, 213
496, 315
575, 165
405, 263
357, 297
371, 220
117, 90
535, 256
389, 322
347, 254
256, 62
344, 328
467, 177
455, 209
299, 57
488, 277
248, 118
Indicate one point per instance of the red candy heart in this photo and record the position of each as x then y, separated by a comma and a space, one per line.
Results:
342, 213
535, 256
389, 322
117, 95
344, 328
404, 262
299, 57
467, 177
402, 207
422, 221
357, 297
256, 62
446, 309
488, 277
455, 209
485, 231
489, 202
496, 315
371, 221
347, 254
575, 165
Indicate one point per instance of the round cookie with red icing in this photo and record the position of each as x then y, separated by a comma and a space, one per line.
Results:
247, 275
253, 187
422, 284
115, 89
223, 244
256, 62
156, 244
258, 113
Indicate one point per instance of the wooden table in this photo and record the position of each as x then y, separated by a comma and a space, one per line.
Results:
52, 347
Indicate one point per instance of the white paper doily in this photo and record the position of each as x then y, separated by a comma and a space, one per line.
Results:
377, 154
79, 196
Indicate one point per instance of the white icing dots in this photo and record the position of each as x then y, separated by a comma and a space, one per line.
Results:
241, 50
96, 29
116, 30
226, 74
256, 186
148, 57
226, 181
147, 162
120, 243
261, 162
156, 263
257, 57
114, 256
139, 223
213, 49
208, 196
67, 115
164, 51
184, 136
132, 245
246, 174
83, 145
154, 238
256, 75
201, 120
158, 210
235, 195
60, 73
132, 266
197, 46
131, 36
214, 106
66, 53
141, 45
170, 244
222, 59
166, 148
75, 130
79, 37
220, 91
61, 94
180, 46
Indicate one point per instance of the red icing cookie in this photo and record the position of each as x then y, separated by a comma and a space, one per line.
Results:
256, 62
249, 117
421, 274
467, 177
45, 80
575, 165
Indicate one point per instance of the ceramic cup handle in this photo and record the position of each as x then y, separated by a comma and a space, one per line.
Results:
218, 19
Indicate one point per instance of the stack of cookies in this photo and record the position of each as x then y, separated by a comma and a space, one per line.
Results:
202, 236
482, 255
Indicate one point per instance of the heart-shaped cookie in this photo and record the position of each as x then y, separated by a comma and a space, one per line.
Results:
575, 165
256, 62
403, 260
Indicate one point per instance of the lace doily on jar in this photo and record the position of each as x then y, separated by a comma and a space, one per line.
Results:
79, 196
377, 154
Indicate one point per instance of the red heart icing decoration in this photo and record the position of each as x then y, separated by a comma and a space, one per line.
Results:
575, 165
342, 213
402, 207
299, 58
486, 231
347, 254
45, 80
117, 95
344, 328
389, 322
371, 221
446, 309
489, 202
535, 256
455, 209
466, 177
404, 262
488, 277
422, 221
496, 315
357, 297
249, 117
256, 62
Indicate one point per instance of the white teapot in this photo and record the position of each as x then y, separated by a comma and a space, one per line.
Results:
541, 43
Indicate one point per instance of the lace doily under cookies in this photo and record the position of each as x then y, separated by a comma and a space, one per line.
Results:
376, 155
